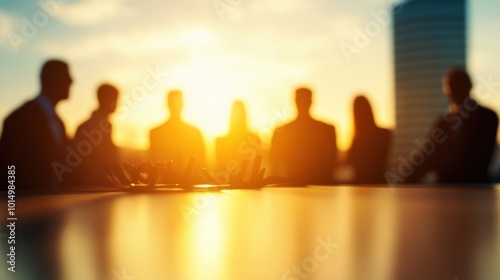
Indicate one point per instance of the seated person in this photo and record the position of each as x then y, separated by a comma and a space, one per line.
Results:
304, 151
468, 132
177, 141
97, 131
34, 137
370, 145
239, 143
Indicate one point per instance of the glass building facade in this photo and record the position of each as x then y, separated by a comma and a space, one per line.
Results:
429, 38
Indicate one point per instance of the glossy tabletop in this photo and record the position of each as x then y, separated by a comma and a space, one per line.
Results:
315, 232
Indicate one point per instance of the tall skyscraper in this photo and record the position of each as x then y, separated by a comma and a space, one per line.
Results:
429, 38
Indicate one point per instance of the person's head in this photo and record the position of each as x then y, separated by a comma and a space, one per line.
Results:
303, 101
238, 117
55, 80
363, 115
175, 103
107, 95
457, 85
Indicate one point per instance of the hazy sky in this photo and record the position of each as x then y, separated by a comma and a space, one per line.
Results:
254, 50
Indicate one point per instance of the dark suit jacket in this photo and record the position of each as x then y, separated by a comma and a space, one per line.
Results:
177, 141
305, 151
27, 142
92, 170
465, 155
368, 156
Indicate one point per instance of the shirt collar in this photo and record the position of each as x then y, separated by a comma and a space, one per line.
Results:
455, 108
46, 105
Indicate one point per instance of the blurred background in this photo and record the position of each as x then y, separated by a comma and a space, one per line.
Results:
257, 51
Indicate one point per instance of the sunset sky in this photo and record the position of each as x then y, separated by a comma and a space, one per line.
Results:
257, 51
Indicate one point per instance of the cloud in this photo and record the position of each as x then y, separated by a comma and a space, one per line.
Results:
131, 44
281, 6
183, 32
91, 12
342, 26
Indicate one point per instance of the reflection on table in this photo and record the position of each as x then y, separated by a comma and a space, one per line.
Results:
340, 232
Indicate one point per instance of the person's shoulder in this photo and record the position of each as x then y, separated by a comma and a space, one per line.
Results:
80, 128
92, 120
27, 110
384, 131
323, 125
253, 136
27, 106
89, 124
191, 129
487, 112
157, 129
285, 127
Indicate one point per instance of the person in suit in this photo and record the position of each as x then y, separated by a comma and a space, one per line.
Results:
305, 150
370, 145
97, 131
177, 141
467, 134
239, 143
34, 136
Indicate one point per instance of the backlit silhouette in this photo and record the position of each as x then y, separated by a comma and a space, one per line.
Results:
175, 140
33, 135
304, 150
239, 142
370, 145
97, 131
468, 135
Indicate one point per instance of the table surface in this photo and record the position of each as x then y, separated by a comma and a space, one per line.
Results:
315, 232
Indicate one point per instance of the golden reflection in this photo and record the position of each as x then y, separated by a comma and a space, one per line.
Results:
381, 254
206, 238
77, 249
341, 230
132, 243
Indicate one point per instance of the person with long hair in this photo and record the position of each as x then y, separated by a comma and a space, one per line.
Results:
370, 145
239, 143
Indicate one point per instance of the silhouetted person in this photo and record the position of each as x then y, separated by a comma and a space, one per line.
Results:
370, 145
33, 135
97, 132
467, 134
304, 150
176, 140
239, 142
